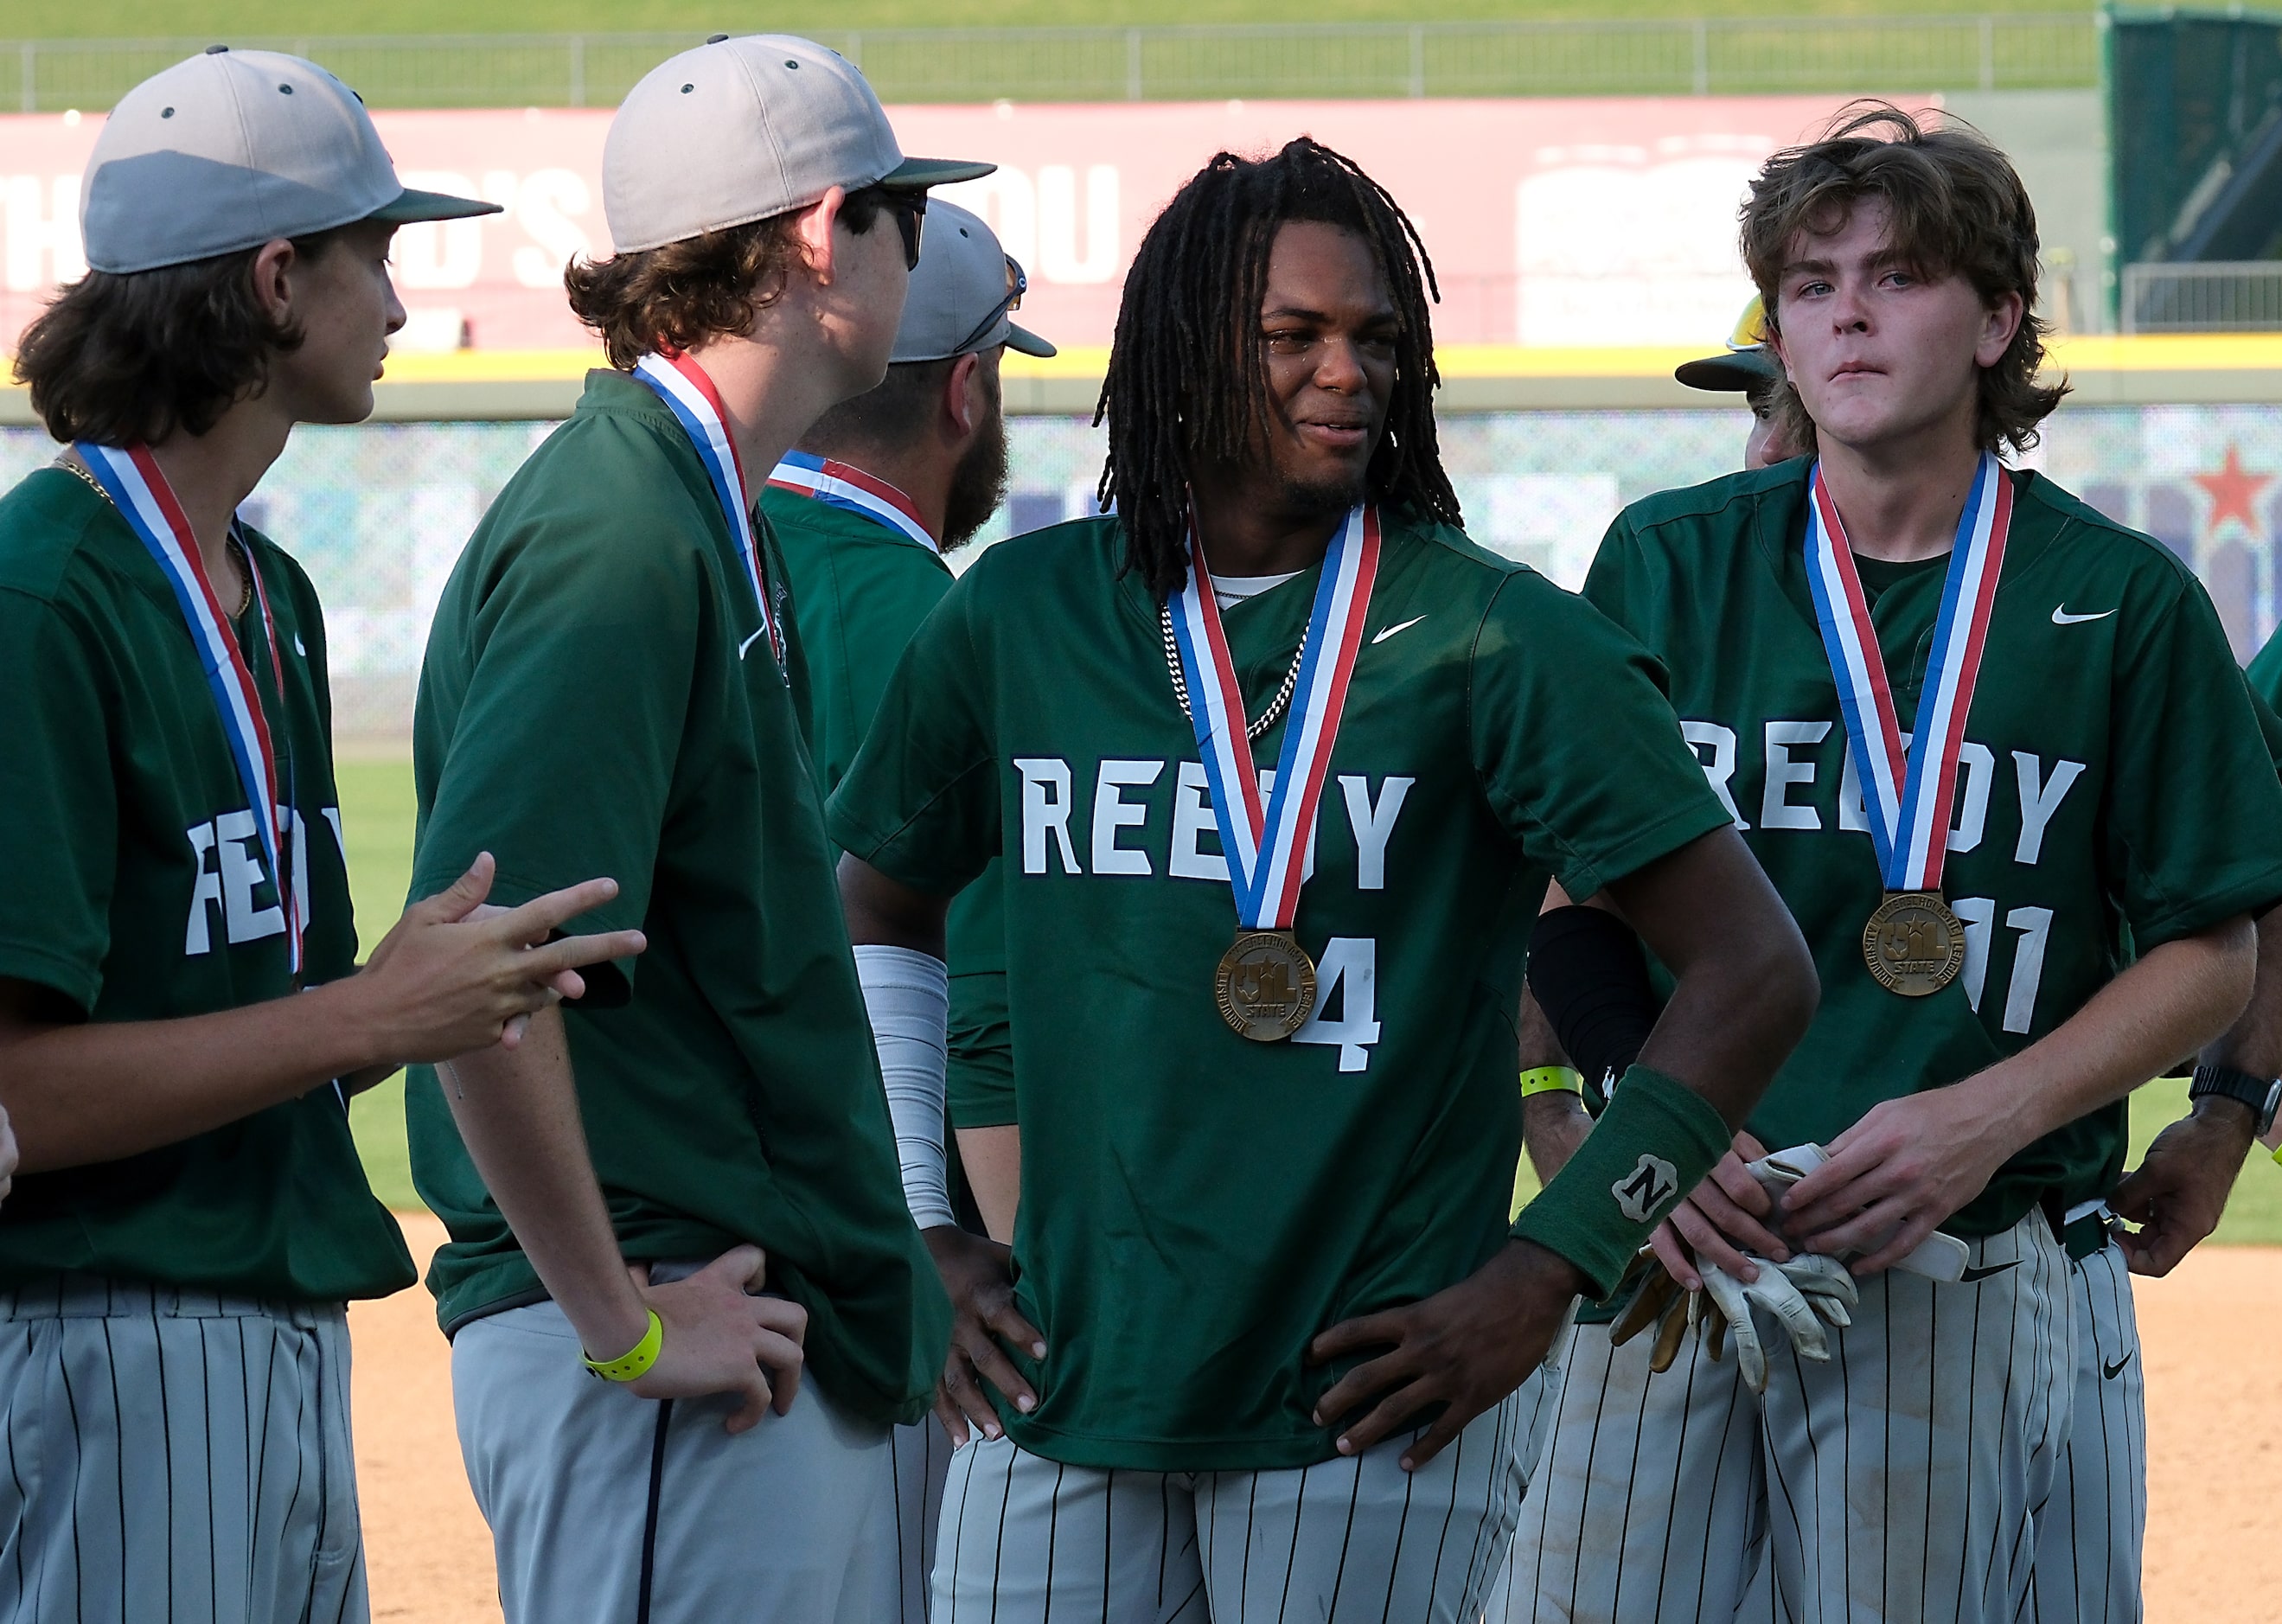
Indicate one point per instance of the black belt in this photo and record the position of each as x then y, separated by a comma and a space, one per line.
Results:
2081, 1237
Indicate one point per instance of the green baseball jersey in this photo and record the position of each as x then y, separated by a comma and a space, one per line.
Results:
1196, 1207
2114, 786
859, 591
137, 891
599, 699
2265, 673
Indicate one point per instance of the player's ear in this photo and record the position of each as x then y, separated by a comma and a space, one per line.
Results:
271, 274
2001, 319
812, 229
962, 394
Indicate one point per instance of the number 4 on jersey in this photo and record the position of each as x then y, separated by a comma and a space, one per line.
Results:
1349, 970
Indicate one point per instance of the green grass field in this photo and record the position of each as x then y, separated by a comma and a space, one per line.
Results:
419, 53
377, 806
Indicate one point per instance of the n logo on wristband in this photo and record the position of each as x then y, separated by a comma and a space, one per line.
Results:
1643, 1191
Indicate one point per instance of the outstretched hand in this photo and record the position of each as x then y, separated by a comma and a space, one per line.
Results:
721, 1338
456, 976
979, 1275
1464, 1349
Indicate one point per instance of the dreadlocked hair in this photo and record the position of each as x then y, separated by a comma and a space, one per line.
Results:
1185, 379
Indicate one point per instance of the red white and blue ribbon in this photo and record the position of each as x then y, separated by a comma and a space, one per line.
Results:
139, 489
1909, 796
836, 485
696, 405
1266, 844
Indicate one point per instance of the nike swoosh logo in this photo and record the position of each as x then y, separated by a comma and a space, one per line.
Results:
1971, 1275
1391, 630
2112, 1370
2060, 617
304, 653
749, 642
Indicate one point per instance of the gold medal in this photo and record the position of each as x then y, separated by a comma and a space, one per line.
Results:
1265, 985
1913, 944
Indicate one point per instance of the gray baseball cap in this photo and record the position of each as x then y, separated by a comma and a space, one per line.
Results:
740, 129
234, 149
963, 291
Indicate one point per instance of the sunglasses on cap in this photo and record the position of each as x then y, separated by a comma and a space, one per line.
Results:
1751, 327
910, 209
1017, 284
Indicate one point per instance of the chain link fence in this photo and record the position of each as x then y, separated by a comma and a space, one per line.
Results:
1701, 56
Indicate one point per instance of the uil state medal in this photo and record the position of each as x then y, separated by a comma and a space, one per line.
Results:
1265, 983
1913, 944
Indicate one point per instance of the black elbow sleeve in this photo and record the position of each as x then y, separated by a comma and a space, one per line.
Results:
1589, 976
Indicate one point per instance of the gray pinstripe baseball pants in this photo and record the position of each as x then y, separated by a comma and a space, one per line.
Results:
922, 1458
606, 1508
1904, 1478
2089, 1532
1024, 1539
176, 1455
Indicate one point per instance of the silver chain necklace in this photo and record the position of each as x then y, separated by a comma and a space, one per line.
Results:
1181, 682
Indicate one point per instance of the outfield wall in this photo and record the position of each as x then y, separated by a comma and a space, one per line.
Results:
1551, 222
378, 513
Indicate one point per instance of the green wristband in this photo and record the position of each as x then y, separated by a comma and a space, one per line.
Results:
1653, 1144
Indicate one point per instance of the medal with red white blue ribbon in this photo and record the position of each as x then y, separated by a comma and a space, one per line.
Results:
836, 485
696, 405
1265, 983
139, 488
1913, 943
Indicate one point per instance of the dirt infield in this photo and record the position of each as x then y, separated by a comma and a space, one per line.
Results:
2214, 1472
427, 1548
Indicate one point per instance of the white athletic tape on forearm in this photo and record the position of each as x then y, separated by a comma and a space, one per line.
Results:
907, 994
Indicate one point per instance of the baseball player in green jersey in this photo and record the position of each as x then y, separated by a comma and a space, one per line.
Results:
181, 1017
690, 1176
865, 509
2265, 672
2089, 1539
1263, 1232
1975, 901
2089, 1536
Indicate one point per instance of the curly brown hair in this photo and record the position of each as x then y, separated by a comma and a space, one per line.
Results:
678, 295
128, 360
1956, 208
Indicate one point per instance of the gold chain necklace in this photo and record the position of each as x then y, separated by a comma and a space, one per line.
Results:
237, 548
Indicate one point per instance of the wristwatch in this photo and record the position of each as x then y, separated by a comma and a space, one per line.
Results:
2260, 1094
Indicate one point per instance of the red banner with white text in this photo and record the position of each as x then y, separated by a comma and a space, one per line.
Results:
1552, 222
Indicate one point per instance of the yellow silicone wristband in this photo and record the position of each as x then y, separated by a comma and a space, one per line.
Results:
1552, 1079
634, 1364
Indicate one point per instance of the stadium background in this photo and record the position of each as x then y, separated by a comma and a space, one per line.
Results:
1573, 166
